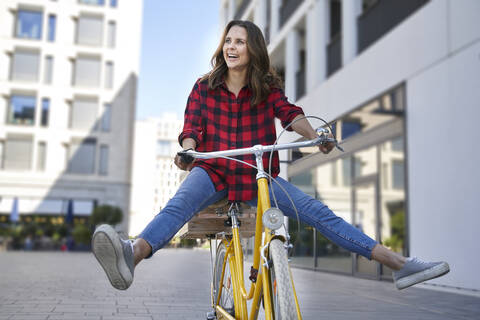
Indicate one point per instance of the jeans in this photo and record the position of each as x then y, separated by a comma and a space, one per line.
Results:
198, 192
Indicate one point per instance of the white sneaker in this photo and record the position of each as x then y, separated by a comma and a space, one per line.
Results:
114, 255
415, 271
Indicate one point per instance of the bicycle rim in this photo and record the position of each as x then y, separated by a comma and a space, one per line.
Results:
226, 300
283, 298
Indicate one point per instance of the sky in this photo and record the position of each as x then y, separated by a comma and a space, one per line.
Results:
178, 40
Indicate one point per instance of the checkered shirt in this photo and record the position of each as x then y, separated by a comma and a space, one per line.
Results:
217, 120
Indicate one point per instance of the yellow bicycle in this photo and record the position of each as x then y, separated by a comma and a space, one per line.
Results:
270, 274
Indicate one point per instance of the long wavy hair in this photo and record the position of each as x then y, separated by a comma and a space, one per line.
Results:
261, 77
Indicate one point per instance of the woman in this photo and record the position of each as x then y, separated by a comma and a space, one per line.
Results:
234, 106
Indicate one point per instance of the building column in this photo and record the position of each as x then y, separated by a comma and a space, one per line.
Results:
350, 10
292, 64
274, 18
317, 40
231, 9
223, 14
260, 15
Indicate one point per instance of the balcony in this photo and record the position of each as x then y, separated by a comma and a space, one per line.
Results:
382, 17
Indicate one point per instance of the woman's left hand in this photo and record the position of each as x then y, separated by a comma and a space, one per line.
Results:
327, 146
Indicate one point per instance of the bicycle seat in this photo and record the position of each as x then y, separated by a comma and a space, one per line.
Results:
210, 221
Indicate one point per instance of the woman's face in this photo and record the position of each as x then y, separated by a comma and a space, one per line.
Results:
235, 50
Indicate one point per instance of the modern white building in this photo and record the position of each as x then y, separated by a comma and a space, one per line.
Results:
398, 81
155, 176
68, 83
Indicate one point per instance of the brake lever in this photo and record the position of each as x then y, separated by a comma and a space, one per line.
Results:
334, 141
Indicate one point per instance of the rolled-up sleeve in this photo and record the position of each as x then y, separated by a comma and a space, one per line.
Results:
192, 126
284, 110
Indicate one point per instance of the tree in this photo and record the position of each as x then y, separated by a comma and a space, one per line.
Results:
106, 214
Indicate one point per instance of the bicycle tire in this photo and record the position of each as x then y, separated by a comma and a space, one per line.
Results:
283, 297
226, 299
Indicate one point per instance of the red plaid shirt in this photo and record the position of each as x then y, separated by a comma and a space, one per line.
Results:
217, 120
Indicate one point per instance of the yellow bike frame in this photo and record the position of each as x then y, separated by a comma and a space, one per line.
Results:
234, 257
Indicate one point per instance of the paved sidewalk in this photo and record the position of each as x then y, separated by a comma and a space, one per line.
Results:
174, 284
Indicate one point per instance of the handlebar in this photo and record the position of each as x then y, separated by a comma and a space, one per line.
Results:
188, 155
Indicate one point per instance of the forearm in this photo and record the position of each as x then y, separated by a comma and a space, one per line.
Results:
188, 143
303, 127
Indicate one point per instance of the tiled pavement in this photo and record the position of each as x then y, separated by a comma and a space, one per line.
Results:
174, 284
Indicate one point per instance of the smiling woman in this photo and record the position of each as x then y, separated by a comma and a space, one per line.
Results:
242, 49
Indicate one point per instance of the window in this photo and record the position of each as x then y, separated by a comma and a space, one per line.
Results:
25, 65
163, 148
112, 31
103, 166
109, 75
29, 24
48, 70
81, 155
18, 152
350, 127
52, 22
45, 112
90, 30
93, 2
2, 143
87, 72
398, 174
84, 113
397, 144
107, 111
22, 110
113, 3
41, 156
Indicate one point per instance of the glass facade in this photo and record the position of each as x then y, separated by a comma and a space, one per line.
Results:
22, 110
364, 186
82, 156
93, 2
29, 24
25, 65
52, 25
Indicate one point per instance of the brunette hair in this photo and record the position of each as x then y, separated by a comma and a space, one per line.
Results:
261, 77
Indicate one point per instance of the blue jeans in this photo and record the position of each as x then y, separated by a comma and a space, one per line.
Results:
198, 192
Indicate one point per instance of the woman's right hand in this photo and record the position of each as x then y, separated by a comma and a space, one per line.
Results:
183, 162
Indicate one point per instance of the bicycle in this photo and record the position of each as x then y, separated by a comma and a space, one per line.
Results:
272, 282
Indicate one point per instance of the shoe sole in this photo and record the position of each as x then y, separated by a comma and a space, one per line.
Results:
428, 274
107, 248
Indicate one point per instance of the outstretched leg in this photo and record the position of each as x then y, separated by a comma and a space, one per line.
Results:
119, 257
408, 271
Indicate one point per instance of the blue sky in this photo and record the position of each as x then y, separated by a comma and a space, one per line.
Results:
178, 40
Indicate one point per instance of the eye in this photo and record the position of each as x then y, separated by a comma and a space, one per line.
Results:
227, 40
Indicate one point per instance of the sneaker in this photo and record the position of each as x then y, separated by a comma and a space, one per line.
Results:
114, 255
415, 271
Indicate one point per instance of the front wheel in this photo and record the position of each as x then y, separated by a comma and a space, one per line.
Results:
283, 297
226, 300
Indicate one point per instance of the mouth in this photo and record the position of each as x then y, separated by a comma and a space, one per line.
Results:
231, 56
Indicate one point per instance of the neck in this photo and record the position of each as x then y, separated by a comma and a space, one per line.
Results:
236, 78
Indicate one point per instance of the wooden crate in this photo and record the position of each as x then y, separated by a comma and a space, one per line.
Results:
208, 222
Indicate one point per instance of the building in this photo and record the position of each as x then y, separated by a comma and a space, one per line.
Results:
155, 176
398, 82
68, 83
